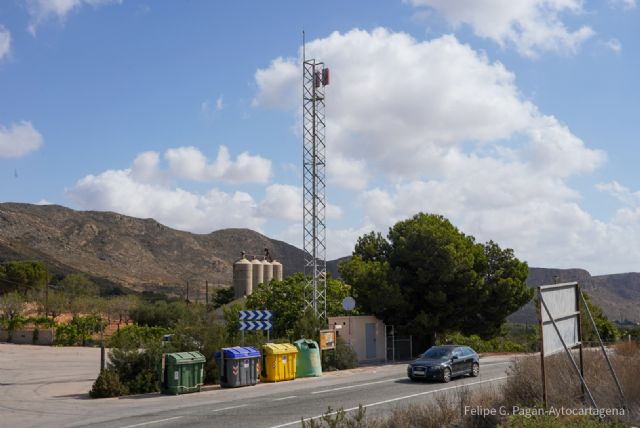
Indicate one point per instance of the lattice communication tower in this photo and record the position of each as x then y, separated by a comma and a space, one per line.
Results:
315, 76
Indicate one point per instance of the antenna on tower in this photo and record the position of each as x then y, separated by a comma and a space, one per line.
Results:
314, 79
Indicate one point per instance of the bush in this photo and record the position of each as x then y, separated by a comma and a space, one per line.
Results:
338, 419
135, 336
159, 313
496, 344
107, 385
66, 335
137, 370
341, 358
78, 330
551, 421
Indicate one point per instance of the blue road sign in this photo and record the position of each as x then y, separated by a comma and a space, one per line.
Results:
254, 315
255, 325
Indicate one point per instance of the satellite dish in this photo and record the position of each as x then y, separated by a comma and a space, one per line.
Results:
348, 303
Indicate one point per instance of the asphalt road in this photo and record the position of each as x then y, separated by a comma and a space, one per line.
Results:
34, 397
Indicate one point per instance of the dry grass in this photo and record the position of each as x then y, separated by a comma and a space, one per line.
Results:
523, 388
627, 349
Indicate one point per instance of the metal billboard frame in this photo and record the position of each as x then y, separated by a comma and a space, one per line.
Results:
575, 314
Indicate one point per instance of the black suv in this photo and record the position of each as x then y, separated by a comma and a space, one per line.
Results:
445, 362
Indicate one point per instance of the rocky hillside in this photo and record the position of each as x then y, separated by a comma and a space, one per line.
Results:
618, 294
139, 254
144, 255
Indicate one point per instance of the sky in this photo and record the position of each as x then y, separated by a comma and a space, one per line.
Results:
518, 121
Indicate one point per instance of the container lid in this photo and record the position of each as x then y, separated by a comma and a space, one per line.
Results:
239, 352
185, 357
306, 344
279, 348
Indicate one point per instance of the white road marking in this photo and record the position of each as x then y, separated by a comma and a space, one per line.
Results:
230, 407
284, 398
356, 386
494, 364
395, 399
152, 422
390, 380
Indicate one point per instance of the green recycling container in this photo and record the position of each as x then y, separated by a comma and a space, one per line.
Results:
182, 372
308, 358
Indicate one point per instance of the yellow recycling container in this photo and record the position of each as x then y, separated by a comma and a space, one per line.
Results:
278, 362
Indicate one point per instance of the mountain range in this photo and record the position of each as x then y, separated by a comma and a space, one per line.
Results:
143, 255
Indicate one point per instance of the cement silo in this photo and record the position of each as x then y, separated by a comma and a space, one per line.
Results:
258, 272
277, 270
267, 273
242, 277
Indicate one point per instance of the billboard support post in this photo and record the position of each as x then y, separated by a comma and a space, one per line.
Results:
564, 345
604, 352
544, 374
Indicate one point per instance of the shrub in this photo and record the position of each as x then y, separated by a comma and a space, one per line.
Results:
137, 370
338, 419
341, 358
66, 335
135, 336
107, 385
496, 344
78, 330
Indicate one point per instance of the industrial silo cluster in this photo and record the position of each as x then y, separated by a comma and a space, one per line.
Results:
250, 273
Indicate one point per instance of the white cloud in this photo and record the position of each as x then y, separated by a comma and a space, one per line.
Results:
19, 140
340, 242
531, 26
624, 4
118, 190
613, 44
5, 42
444, 130
278, 84
209, 111
146, 169
347, 173
191, 163
397, 106
283, 201
621, 193
42, 10
544, 224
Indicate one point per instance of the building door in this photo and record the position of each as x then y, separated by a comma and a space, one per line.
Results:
370, 337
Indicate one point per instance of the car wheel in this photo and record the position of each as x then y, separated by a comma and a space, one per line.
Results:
446, 375
475, 370
411, 378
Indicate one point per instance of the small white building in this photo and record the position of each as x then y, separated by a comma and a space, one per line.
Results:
365, 334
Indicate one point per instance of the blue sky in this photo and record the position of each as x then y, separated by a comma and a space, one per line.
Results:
516, 120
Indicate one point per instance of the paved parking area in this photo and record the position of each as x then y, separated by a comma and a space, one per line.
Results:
37, 382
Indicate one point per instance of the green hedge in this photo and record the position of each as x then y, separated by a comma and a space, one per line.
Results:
497, 344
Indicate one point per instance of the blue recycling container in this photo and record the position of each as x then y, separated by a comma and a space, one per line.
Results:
238, 366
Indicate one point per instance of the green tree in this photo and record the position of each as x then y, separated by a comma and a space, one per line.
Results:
159, 313
23, 276
608, 330
77, 285
430, 278
223, 296
11, 306
286, 301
